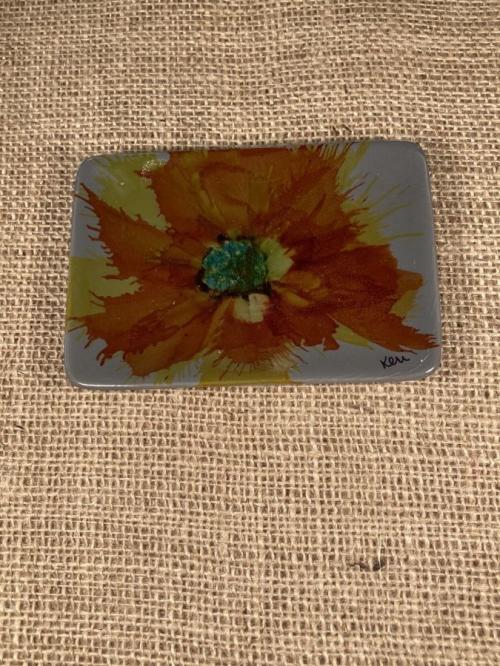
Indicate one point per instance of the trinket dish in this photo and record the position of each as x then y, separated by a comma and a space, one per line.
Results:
309, 263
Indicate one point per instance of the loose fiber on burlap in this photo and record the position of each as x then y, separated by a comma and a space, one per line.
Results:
238, 526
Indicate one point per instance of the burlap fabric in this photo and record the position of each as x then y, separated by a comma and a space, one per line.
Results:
270, 525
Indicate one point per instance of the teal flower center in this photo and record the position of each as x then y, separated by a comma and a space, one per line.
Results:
235, 267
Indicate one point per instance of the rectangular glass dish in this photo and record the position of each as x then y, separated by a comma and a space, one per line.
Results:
311, 263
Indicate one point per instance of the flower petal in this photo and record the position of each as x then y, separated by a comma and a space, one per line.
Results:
307, 200
132, 322
182, 344
134, 244
384, 328
247, 342
360, 277
230, 191
186, 206
251, 309
304, 326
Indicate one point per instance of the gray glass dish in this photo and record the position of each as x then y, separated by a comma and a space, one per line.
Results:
267, 265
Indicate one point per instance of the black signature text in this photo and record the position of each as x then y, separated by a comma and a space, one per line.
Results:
391, 361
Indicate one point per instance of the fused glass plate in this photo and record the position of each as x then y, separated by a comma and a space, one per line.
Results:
282, 264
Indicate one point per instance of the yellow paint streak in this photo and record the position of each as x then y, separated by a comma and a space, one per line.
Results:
277, 259
123, 187
89, 279
291, 297
215, 370
173, 373
346, 178
251, 309
344, 334
366, 211
405, 303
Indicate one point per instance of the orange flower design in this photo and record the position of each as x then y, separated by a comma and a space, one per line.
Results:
264, 253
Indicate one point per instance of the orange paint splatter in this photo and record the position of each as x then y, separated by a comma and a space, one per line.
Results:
300, 200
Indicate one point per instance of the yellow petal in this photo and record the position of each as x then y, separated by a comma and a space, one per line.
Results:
218, 370
292, 298
123, 187
90, 278
344, 334
251, 309
277, 258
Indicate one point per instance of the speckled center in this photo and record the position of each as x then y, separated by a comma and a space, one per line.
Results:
235, 267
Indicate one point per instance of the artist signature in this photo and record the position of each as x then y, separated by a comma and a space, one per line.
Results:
391, 361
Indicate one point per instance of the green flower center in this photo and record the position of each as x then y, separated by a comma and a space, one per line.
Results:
235, 267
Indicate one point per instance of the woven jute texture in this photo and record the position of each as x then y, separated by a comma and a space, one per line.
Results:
350, 524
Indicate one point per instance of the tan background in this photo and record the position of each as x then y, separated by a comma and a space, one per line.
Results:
242, 525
